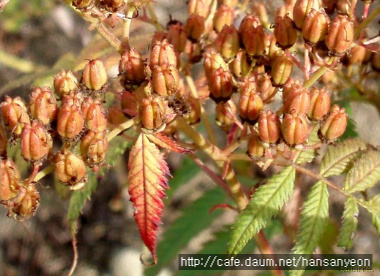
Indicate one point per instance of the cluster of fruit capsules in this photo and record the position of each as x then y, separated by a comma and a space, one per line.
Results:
103, 5
74, 115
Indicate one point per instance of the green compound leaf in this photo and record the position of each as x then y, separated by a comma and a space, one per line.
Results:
338, 159
308, 155
364, 174
265, 203
375, 212
349, 224
314, 218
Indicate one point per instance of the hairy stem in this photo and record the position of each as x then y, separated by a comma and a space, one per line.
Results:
119, 129
44, 172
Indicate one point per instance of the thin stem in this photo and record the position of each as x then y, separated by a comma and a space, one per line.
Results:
315, 77
371, 17
127, 26
44, 172
119, 129
75, 252
154, 18
110, 37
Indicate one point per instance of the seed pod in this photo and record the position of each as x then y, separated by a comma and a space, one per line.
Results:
329, 5
70, 121
73, 98
94, 75
255, 148
9, 180
213, 61
165, 80
27, 202
200, 7
94, 147
226, 114
259, 10
3, 140
224, 15
129, 104
335, 124
14, 114
253, 36
295, 128
282, 68
221, 85
340, 35
162, 53
94, 115
375, 61
240, 66
194, 114
320, 102
227, 42
43, 105
358, 55
159, 37
301, 9
265, 88
83, 5
152, 113
315, 27
70, 169
344, 7
65, 82
115, 117
250, 105
177, 37
269, 127
298, 100
285, 31
290, 86
35, 143
195, 27
131, 69
273, 48
111, 5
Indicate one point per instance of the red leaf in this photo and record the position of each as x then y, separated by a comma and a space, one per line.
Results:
147, 183
166, 142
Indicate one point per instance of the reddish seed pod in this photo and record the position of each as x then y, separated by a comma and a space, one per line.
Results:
240, 67
14, 114
290, 86
320, 102
344, 7
340, 35
177, 37
43, 105
285, 31
200, 7
131, 69
213, 61
9, 180
329, 5
111, 5
335, 124
94, 147
152, 113
221, 85
255, 148
194, 114
159, 37
253, 36
70, 169
265, 88
226, 114
129, 104
282, 68
3, 140
227, 42
295, 128
64, 83
94, 75
273, 48
35, 143
195, 27
269, 127
315, 27
301, 10
250, 105
162, 53
224, 15
73, 98
94, 115
83, 5
298, 100
70, 121
26, 203
358, 55
165, 80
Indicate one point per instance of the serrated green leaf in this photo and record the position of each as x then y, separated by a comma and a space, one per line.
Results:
349, 224
364, 174
314, 217
308, 155
351, 131
375, 212
265, 203
338, 159
194, 219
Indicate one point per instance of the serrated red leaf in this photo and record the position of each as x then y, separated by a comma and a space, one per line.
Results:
147, 183
166, 142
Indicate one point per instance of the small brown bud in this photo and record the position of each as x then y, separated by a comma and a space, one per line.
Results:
9, 180
315, 27
165, 80
282, 68
43, 105
298, 101
129, 104
224, 15
65, 82
320, 102
200, 7
213, 61
177, 37
94, 115
358, 55
35, 143
94, 75
227, 42
14, 114
253, 36
3, 140
269, 127
70, 169
221, 85
301, 9
70, 121
83, 5
295, 128
111, 5
335, 124
94, 147
195, 27
255, 148
226, 114
162, 53
250, 105
152, 113
265, 88
285, 31
240, 66
131, 69
340, 35
26, 203
290, 86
